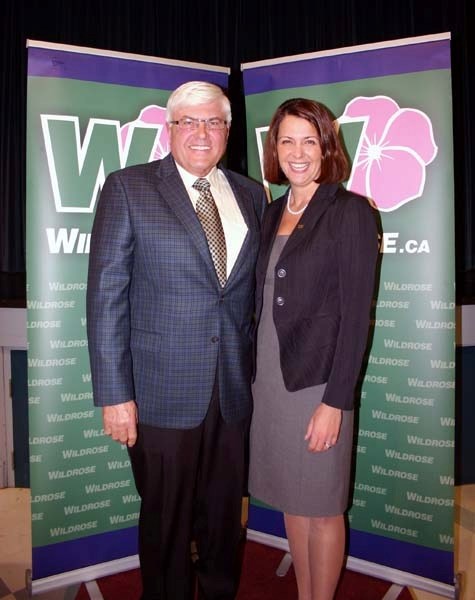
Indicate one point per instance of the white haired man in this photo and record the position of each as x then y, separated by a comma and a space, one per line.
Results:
169, 314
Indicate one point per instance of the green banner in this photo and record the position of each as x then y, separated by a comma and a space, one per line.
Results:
89, 113
392, 103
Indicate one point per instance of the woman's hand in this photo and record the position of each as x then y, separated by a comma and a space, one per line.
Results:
323, 428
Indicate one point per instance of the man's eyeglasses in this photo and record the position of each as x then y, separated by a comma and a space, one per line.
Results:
190, 124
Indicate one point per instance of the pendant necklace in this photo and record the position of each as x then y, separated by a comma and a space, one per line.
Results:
294, 212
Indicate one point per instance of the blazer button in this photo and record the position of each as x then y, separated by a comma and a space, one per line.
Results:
281, 273
279, 301
215, 339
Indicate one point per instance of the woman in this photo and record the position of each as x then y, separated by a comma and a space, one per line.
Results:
315, 277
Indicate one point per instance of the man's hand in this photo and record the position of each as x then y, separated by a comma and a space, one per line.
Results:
120, 422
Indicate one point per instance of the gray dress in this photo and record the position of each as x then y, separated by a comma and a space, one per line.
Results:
282, 472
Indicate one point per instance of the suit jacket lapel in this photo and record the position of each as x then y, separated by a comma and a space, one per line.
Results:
245, 203
173, 192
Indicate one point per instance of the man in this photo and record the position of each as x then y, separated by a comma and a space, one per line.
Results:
169, 310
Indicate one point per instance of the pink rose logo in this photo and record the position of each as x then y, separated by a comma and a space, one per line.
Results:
395, 147
150, 117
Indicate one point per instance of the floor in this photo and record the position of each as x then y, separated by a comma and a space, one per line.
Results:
15, 547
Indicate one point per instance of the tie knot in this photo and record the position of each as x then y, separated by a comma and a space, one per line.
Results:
201, 184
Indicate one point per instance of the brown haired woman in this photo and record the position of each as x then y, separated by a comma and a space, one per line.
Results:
315, 277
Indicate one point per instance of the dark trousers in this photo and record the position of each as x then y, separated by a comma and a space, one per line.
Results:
191, 485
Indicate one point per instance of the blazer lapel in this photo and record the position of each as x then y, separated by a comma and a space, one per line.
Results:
324, 196
270, 225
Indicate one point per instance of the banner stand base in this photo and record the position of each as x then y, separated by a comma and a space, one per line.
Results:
86, 574
368, 568
353, 564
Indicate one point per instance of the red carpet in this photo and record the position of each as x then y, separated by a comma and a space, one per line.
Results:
258, 581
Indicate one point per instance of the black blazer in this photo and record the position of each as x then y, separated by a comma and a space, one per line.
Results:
323, 289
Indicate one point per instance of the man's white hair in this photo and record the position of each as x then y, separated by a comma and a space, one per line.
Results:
194, 93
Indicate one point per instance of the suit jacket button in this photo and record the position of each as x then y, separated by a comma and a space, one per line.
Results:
215, 339
281, 273
279, 301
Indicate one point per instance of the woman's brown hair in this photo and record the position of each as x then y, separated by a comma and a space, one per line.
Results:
334, 169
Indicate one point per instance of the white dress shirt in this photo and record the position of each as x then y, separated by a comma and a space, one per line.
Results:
234, 226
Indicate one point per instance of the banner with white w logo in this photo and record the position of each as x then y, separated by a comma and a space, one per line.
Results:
90, 112
392, 103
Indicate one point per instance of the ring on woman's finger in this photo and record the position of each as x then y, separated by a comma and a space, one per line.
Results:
327, 445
